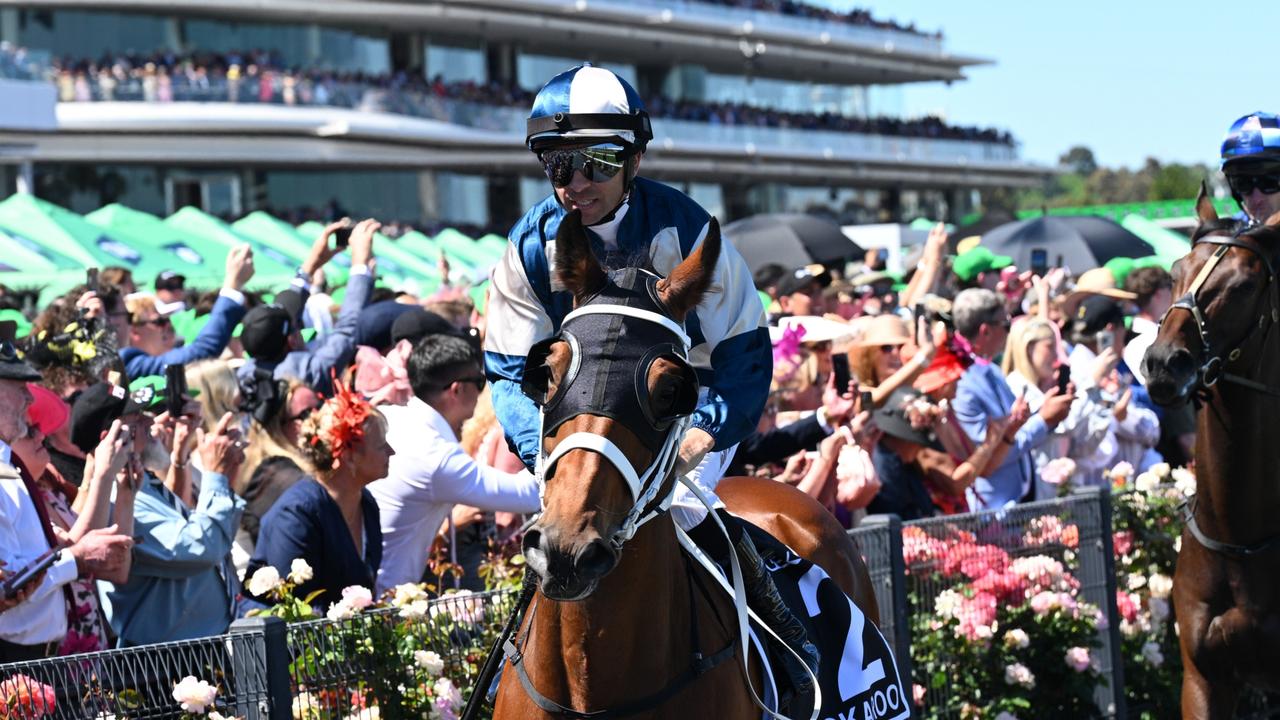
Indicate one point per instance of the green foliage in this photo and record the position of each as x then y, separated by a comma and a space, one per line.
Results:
1088, 183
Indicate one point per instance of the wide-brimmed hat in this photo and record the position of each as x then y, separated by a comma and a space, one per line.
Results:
817, 329
12, 366
886, 329
1098, 281
892, 418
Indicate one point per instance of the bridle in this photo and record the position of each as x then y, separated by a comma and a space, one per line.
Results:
1213, 365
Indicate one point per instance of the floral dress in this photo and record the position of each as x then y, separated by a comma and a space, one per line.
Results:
86, 631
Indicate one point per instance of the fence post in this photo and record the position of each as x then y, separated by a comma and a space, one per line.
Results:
1102, 497
266, 669
897, 584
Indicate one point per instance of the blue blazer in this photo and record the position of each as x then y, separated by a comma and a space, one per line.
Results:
210, 343
306, 523
982, 395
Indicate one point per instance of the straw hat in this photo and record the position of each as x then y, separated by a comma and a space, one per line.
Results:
883, 330
1098, 281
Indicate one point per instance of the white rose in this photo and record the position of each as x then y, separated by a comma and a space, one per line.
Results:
429, 661
1160, 470
266, 579
1185, 481
300, 571
1161, 585
1177, 544
406, 593
1151, 653
1137, 582
194, 695
948, 603
340, 611
1019, 674
358, 597
1017, 638
305, 706
416, 610
1146, 482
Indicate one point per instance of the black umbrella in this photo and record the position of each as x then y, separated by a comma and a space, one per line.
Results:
1079, 242
790, 240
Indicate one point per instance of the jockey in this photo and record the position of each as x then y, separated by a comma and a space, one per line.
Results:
1251, 162
589, 130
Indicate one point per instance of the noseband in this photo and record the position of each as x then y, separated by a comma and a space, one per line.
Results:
1213, 365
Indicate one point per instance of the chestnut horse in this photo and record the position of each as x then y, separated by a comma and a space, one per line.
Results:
1219, 342
641, 633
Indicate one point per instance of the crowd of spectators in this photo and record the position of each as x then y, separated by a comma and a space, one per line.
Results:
854, 16
261, 76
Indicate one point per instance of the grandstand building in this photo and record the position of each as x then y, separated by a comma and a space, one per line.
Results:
414, 109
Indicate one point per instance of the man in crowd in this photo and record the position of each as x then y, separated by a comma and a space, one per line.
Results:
34, 626
978, 267
800, 291
272, 334
983, 395
171, 294
148, 347
429, 472
180, 583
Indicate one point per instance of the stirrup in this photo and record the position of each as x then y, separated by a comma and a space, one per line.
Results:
763, 597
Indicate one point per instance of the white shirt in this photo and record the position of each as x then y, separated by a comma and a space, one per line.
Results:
1144, 336
428, 475
43, 617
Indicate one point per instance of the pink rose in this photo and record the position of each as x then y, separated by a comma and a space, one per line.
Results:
1123, 542
24, 697
1078, 659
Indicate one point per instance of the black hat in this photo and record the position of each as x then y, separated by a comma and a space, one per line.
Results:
892, 418
803, 277
418, 323
170, 280
376, 321
13, 367
95, 409
1095, 313
266, 331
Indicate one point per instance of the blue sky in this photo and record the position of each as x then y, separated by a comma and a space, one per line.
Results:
1129, 79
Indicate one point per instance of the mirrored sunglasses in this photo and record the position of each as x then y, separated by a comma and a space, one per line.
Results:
597, 164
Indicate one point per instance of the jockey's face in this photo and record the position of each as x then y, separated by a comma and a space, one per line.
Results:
594, 199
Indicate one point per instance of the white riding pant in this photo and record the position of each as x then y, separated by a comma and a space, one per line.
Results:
686, 509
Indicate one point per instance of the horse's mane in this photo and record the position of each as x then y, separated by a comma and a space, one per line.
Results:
1226, 225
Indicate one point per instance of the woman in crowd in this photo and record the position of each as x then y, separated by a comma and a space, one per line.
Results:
329, 519
877, 357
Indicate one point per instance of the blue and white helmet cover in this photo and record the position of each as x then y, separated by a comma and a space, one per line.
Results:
1251, 138
589, 90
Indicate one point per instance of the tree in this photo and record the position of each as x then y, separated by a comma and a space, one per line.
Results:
1080, 159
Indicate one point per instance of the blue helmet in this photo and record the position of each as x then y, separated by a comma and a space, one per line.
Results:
588, 102
1253, 139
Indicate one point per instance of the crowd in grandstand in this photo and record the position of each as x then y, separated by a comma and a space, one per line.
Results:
261, 76
853, 16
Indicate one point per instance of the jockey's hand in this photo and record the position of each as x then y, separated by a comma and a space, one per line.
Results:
695, 446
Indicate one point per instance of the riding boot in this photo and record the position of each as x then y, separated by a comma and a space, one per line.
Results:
763, 598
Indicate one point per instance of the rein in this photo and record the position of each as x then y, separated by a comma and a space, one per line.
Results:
1213, 369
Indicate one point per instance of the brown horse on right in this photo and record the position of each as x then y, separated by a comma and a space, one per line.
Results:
1220, 342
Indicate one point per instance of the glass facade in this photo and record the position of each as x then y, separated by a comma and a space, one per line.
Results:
533, 71
455, 63
783, 95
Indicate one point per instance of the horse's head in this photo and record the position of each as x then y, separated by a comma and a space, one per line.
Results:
1227, 297
615, 388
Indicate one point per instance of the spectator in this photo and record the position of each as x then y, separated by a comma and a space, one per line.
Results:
876, 358
903, 491
430, 472
178, 586
980, 268
171, 294
119, 277
149, 345
330, 519
800, 291
983, 395
35, 626
272, 333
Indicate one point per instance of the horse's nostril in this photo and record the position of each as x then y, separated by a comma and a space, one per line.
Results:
595, 560
1181, 363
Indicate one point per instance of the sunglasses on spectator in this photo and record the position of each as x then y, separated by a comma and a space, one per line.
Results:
1244, 184
478, 380
888, 348
306, 412
160, 322
597, 164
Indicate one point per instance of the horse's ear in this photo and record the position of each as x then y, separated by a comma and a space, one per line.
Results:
682, 290
576, 265
1204, 206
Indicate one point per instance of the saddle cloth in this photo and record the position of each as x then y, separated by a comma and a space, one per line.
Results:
856, 668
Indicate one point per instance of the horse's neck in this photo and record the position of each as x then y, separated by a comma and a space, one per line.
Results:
1237, 457
629, 635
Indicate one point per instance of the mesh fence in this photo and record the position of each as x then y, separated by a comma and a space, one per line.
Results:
390, 663
879, 540
138, 683
1036, 580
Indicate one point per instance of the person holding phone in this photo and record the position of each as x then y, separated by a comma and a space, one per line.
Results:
37, 626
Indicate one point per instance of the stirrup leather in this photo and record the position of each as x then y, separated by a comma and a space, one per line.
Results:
763, 597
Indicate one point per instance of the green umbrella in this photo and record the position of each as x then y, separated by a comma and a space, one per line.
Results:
52, 284
271, 266
456, 244
62, 231
21, 254
282, 236
400, 268
1169, 245
202, 263
495, 244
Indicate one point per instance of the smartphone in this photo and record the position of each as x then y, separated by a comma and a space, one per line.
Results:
840, 368
1104, 340
91, 278
342, 236
14, 582
1064, 378
1039, 261
175, 389
919, 313
867, 403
